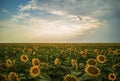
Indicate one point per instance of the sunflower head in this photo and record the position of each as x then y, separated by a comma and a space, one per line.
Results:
56, 61
35, 61
13, 77
8, 63
96, 51
91, 62
111, 76
92, 71
34, 71
118, 51
109, 50
73, 62
3, 77
24, 58
84, 54
86, 50
101, 58
103, 52
116, 67
70, 78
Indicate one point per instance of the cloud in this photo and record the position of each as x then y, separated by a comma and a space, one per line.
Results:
62, 8
21, 16
43, 30
30, 6
4, 10
59, 19
57, 12
54, 20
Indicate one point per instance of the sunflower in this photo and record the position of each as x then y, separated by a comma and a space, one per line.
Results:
8, 63
29, 50
92, 71
84, 54
111, 76
109, 50
56, 61
91, 62
116, 67
96, 51
24, 58
118, 51
86, 50
103, 51
35, 61
73, 62
13, 77
34, 71
44, 65
101, 58
3, 77
70, 78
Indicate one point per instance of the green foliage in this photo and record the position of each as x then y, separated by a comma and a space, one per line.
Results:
47, 53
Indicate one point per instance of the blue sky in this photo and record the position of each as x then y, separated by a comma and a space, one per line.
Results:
59, 21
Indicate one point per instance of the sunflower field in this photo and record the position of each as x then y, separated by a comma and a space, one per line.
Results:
59, 62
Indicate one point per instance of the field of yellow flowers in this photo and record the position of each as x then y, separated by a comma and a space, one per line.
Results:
59, 62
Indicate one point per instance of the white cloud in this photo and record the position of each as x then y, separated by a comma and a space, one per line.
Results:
27, 7
57, 12
43, 30
20, 16
58, 20
66, 27
4, 10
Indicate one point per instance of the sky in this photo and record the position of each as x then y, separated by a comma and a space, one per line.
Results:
59, 21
